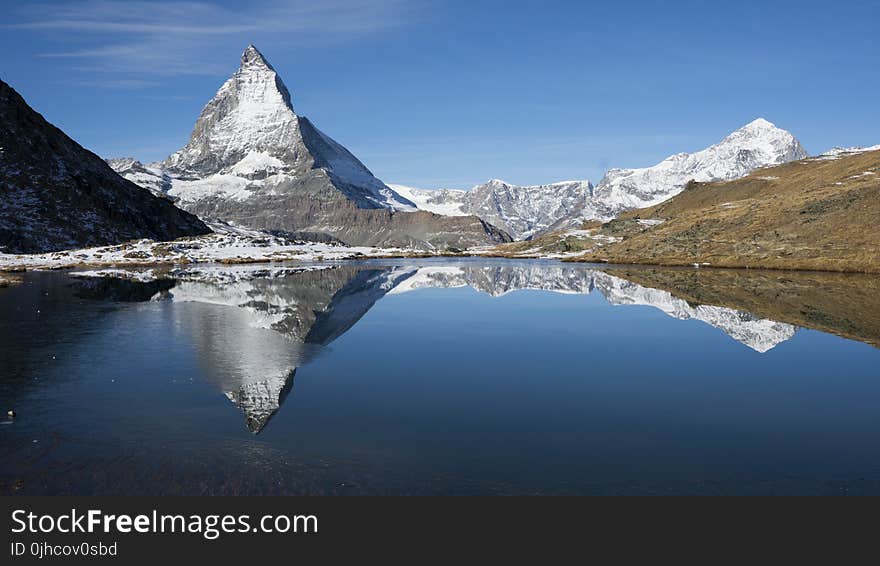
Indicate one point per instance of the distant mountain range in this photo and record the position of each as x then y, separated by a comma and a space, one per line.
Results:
520, 211
252, 161
527, 211
56, 195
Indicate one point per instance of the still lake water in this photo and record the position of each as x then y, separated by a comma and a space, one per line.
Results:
440, 377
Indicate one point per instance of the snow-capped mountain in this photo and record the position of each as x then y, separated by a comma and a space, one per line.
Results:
526, 211
448, 202
249, 137
56, 195
150, 177
755, 145
253, 161
521, 211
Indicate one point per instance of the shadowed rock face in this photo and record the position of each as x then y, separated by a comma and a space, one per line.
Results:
251, 160
56, 195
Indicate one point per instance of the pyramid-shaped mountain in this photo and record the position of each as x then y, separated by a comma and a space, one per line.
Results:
56, 195
251, 160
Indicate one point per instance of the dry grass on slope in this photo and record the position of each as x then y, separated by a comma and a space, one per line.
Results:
813, 214
561, 243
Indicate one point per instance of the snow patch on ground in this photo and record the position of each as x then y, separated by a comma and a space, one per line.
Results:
223, 247
838, 152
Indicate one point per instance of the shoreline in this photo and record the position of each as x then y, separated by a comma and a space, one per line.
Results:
8, 273
805, 268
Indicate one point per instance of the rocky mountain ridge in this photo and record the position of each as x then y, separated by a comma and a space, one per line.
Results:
527, 211
521, 211
57, 195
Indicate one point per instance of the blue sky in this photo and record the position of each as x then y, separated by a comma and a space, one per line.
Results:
453, 93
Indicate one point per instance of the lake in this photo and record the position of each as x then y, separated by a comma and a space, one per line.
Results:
440, 376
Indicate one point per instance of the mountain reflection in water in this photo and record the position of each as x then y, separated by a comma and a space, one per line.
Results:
258, 325
464, 376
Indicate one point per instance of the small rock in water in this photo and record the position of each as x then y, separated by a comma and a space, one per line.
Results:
10, 413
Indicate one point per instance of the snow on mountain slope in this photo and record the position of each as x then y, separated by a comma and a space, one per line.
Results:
448, 202
838, 152
252, 161
150, 177
525, 211
249, 132
757, 144
521, 211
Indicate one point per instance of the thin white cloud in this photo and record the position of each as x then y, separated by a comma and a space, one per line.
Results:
124, 84
183, 38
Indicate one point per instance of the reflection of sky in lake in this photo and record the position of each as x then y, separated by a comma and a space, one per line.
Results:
425, 378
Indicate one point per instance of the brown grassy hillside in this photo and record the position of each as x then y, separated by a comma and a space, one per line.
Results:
819, 214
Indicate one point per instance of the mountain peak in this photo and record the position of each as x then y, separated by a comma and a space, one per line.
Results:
759, 143
252, 56
255, 71
250, 114
760, 123
761, 128
760, 134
